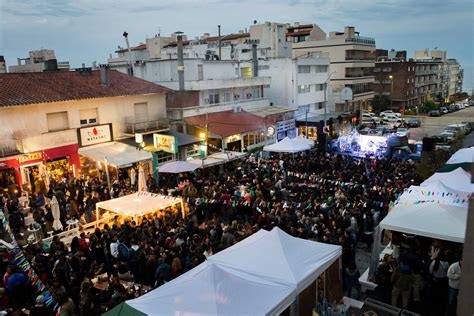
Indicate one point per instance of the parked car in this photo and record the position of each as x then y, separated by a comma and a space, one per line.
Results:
452, 108
414, 122
434, 113
471, 102
403, 132
389, 112
443, 110
469, 126
391, 118
448, 136
460, 129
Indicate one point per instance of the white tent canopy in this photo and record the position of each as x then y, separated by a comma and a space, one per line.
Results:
210, 289
177, 167
279, 257
435, 220
139, 204
119, 155
227, 155
304, 140
208, 162
458, 180
464, 155
287, 145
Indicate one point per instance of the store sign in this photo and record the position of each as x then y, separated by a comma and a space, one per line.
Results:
138, 138
30, 157
94, 135
165, 143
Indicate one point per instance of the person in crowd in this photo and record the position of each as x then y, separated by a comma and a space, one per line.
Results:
402, 281
454, 277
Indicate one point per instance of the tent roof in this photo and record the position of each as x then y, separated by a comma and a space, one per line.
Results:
279, 257
227, 155
287, 145
435, 220
457, 179
464, 155
210, 289
119, 155
139, 203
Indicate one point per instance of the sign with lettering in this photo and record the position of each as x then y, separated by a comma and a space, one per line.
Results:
30, 157
165, 143
94, 135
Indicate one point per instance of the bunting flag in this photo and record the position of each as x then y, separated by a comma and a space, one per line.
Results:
22, 262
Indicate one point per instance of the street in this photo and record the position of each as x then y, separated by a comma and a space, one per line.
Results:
431, 126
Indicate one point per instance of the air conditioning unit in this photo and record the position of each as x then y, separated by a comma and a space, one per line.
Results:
237, 109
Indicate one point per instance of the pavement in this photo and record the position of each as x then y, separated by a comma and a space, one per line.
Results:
431, 126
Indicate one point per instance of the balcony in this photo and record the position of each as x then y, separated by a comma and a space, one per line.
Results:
10, 147
147, 127
361, 40
226, 106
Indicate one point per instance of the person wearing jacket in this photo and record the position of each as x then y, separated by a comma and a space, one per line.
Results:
454, 278
402, 280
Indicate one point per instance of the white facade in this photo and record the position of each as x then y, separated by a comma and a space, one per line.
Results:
36, 62
32, 124
352, 63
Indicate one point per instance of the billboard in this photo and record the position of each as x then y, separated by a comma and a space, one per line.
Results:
165, 143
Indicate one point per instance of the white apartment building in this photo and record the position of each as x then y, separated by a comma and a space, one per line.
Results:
352, 61
39, 60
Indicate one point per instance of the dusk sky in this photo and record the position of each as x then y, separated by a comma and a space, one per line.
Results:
83, 31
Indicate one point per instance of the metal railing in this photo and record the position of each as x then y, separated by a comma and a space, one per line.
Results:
361, 40
364, 58
132, 127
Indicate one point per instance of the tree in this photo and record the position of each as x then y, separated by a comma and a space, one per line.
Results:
381, 102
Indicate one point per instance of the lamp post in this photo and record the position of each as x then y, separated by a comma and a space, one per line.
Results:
391, 92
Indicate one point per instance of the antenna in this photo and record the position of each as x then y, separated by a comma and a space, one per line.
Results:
159, 31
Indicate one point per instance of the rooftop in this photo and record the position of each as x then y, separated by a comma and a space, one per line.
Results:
44, 87
211, 39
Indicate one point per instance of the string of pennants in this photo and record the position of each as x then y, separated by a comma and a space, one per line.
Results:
22, 262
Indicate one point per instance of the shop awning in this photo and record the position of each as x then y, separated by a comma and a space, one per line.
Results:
117, 154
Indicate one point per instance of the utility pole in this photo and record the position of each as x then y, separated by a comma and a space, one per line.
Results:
219, 35
129, 52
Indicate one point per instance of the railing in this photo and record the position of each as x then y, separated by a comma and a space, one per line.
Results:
357, 75
361, 40
131, 127
368, 58
10, 147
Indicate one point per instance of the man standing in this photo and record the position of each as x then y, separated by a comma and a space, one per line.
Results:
454, 277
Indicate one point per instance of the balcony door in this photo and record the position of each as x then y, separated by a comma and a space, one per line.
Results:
141, 112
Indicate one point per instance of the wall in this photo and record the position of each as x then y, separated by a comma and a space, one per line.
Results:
29, 122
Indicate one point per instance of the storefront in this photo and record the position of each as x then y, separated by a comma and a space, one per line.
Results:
34, 171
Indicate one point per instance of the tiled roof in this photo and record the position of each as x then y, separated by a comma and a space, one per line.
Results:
139, 47
42, 87
227, 123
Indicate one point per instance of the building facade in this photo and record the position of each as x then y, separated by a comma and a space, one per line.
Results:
352, 61
38, 61
46, 117
3, 67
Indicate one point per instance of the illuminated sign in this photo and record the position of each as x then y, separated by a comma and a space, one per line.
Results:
165, 143
94, 135
30, 157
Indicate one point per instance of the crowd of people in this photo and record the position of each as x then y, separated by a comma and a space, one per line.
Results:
327, 198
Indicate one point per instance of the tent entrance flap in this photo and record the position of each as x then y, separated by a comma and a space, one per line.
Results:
118, 155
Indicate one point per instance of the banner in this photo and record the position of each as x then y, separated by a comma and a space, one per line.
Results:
166, 143
93, 135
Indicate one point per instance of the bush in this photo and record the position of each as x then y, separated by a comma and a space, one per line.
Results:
410, 111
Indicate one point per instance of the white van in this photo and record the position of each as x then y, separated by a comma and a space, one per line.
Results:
460, 129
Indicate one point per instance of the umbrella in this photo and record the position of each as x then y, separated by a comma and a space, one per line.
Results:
57, 225
133, 175
141, 179
177, 167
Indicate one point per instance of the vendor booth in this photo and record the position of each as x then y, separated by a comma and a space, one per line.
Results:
288, 145
211, 290
138, 204
118, 155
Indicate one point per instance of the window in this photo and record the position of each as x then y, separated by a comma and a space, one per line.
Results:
263, 67
408, 68
408, 80
303, 88
57, 121
226, 96
320, 87
141, 112
266, 86
88, 116
256, 92
319, 105
321, 68
376, 69
246, 72
304, 69
213, 97
200, 73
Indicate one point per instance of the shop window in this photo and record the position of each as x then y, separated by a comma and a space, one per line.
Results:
57, 121
88, 116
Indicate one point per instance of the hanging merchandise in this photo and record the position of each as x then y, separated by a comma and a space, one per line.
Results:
27, 269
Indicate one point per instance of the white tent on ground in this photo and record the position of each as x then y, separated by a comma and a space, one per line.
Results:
117, 154
429, 219
458, 180
227, 155
210, 290
464, 155
287, 145
434, 192
139, 204
279, 257
304, 140
177, 167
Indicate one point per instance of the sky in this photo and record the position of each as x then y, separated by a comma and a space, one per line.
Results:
83, 31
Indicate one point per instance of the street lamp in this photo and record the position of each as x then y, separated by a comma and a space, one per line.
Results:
391, 92
203, 146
